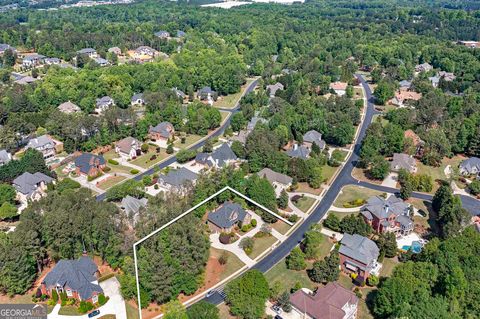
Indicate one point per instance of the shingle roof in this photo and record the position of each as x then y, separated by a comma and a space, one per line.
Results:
163, 129
273, 88
405, 84
5, 47
41, 142
178, 177
104, 101
86, 51
227, 215
181, 34
219, 157
86, 161
382, 208
136, 97
359, 248
77, 275
69, 107
162, 33
5, 157
33, 57
132, 205
405, 161
469, 164
313, 136
273, 176
206, 90
27, 183
125, 145
299, 151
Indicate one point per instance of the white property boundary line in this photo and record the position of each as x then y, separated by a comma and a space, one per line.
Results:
183, 215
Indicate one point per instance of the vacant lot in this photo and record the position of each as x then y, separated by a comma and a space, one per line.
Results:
110, 181
146, 160
190, 139
229, 101
351, 192
438, 173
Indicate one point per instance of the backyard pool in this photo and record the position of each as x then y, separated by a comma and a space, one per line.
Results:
416, 247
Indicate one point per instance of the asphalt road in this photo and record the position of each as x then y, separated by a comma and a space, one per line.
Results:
344, 178
173, 159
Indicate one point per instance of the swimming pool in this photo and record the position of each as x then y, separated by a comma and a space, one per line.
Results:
416, 247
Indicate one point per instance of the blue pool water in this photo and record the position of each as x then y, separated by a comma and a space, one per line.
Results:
416, 247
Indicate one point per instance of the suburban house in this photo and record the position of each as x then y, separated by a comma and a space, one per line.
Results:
128, 148
405, 161
137, 100
207, 94
69, 108
468, 44
447, 76
359, 255
162, 34
5, 157
298, 151
331, 301
388, 215
177, 179
253, 122
417, 142
340, 88
470, 166
313, 137
163, 131
4, 47
31, 186
77, 278
101, 61
405, 85
33, 60
115, 50
220, 157
403, 97
144, 51
24, 80
102, 104
131, 206
278, 180
91, 53
424, 67
89, 164
180, 94
46, 145
273, 88
52, 61
227, 216
181, 34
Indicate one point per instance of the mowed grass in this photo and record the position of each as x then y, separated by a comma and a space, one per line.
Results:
110, 182
342, 215
351, 192
304, 188
144, 160
438, 173
304, 203
190, 139
69, 311
233, 262
288, 278
388, 265
132, 312
261, 244
224, 115
229, 101
281, 227
327, 172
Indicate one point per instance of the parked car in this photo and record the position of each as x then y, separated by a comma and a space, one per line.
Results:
277, 309
278, 317
94, 313
210, 293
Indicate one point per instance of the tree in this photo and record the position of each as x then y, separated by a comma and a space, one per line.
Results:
296, 259
238, 149
406, 189
247, 295
387, 244
175, 310
9, 58
379, 168
474, 187
311, 244
325, 270
437, 146
208, 146
170, 149
7, 211
246, 244
203, 310
283, 199
284, 301
355, 224
66, 184
131, 187
7, 194
186, 155
261, 191
332, 221
384, 91
238, 121
442, 196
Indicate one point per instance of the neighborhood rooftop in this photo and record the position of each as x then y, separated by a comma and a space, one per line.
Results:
27, 183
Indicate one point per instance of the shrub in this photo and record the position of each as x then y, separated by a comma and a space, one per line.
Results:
474, 187
153, 157
332, 222
253, 223
372, 281
54, 296
293, 218
155, 186
184, 156
225, 238
85, 307
113, 162
144, 148
246, 228
170, 149
107, 169
223, 258
102, 299
296, 259
183, 139
247, 244
134, 171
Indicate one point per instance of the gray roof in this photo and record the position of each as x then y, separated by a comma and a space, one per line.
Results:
359, 248
162, 33
52, 60
178, 177
5, 47
86, 161
33, 57
299, 151
104, 101
227, 215
402, 160
25, 80
162, 129
206, 90
27, 183
132, 205
69, 107
100, 60
313, 136
253, 122
219, 157
180, 34
382, 208
86, 51
470, 164
5, 157
41, 142
77, 275
273, 88
136, 97
405, 221
273, 176
179, 93
405, 84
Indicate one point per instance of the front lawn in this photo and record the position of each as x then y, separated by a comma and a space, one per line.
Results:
281, 227
229, 101
261, 244
351, 193
110, 181
304, 188
327, 172
438, 173
304, 203
69, 311
233, 262
342, 215
145, 160
288, 278
190, 139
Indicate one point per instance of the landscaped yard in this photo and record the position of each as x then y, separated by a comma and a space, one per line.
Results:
304, 188
288, 278
110, 181
327, 172
341, 215
233, 262
304, 203
281, 227
69, 311
144, 160
229, 101
438, 173
350, 193
261, 245
189, 140
387, 266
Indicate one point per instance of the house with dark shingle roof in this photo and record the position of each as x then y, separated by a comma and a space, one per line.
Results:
388, 215
181, 34
331, 301
5, 157
470, 166
162, 34
90, 164
403, 161
299, 151
31, 186
207, 94
137, 99
77, 278
273, 88
311, 137
33, 60
90, 52
177, 179
46, 145
4, 47
278, 180
227, 216
132, 206
162, 131
220, 157
359, 255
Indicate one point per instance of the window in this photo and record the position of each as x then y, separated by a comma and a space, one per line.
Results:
69, 293
94, 298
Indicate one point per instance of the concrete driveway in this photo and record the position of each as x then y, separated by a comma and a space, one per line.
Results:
391, 180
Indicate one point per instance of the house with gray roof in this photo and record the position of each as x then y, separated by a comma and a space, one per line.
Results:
46, 145
33, 60
25, 80
226, 217
180, 94
470, 166
137, 99
128, 148
220, 157
77, 278
162, 34
405, 85
273, 88
104, 103
69, 108
385, 215
5, 157
31, 186
181, 34
299, 151
90, 164
163, 131
254, 121
403, 161
278, 180
311, 137
359, 255
52, 61
206, 94
177, 179
101, 61
424, 67
90, 52
132, 206
4, 47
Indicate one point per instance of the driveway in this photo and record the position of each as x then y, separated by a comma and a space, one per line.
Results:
390, 180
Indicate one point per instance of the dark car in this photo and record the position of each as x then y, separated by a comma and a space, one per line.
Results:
93, 313
278, 317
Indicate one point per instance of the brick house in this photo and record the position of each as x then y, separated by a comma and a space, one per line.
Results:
227, 216
162, 131
359, 255
77, 278
89, 164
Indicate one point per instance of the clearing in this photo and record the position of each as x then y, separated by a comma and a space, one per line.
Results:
230, 101
351, 193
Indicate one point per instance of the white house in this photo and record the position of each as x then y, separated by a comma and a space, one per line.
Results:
102, 104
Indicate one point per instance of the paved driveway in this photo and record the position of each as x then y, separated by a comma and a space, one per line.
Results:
390, 180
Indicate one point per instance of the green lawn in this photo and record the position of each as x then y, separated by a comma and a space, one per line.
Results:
229, 101
69, 311
144, 160
132, 312
382, 119
327, 172
233, 262
288, 278
224, 115
119, 169
387, 266
304, 188
437, 173
352, 192
305, 203
111, 181
262, 244
340, 215
281, 227
189, 140
345, 281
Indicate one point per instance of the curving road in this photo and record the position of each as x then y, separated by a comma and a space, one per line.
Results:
344, 178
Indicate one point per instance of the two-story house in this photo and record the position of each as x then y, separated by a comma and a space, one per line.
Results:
311, 137
104, 103
226, 217
220, 157
31, 186
359, 255
161, 132
128, 148
46, 145
89, 164
177, 179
